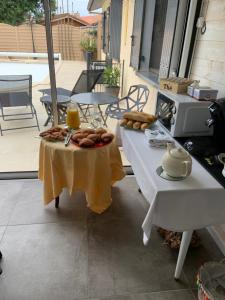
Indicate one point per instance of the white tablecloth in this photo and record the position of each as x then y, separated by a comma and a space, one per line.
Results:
193, 203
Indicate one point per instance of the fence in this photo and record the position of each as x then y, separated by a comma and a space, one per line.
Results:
31, 38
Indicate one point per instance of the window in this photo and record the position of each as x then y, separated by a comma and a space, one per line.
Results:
159, 32
157, 35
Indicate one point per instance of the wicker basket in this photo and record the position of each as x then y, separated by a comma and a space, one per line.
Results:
175, 84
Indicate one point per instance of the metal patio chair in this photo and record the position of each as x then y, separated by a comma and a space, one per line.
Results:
136, 99
16, 91
85, 84
99, 65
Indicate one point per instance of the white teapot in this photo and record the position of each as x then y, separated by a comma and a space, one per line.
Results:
176, 162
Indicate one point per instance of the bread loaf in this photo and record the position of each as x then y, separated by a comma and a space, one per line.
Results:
140, 117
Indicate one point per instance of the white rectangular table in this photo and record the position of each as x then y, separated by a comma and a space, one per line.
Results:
196, 202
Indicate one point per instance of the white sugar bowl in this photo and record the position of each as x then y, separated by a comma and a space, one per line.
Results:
176, 162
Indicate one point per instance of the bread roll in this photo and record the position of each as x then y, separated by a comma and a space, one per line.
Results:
137, 125
144, 126
130, 124
123, 122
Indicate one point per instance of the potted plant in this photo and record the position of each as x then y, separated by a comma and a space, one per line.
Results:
111, 77
88, 45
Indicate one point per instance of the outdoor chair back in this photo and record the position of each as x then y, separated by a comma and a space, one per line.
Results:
86, 82
136, 99
98, 65
16, 91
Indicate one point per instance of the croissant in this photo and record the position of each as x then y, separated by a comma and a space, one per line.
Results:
107, 137
86, 143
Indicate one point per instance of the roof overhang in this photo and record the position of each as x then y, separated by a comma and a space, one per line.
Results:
95, 4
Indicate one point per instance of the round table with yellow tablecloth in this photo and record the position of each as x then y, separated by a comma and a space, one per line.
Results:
91, 170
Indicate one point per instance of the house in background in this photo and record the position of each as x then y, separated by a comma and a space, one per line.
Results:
156, 39
160, 38
71, 19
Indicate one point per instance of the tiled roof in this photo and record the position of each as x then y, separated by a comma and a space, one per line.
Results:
91, 19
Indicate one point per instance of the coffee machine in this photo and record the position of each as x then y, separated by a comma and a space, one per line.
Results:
208, 149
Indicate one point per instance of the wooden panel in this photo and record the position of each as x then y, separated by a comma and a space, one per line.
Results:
66, 39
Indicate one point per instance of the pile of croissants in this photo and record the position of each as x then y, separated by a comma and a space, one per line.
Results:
87, 138
137, 120
54, 134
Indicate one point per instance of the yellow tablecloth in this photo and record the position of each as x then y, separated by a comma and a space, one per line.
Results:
90, 170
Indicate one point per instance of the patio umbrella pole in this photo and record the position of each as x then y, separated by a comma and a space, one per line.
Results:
48, 30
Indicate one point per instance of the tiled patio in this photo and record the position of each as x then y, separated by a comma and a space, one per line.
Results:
72, 253
19, 148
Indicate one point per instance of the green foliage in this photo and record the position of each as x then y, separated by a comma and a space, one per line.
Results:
111, 76
15, 12
93, 32
88, 45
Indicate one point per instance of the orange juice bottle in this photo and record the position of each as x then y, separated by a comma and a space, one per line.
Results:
72, 118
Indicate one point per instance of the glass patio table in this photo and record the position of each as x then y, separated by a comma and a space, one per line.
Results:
98, 99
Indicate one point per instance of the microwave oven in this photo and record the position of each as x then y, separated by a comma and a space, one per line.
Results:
182, 115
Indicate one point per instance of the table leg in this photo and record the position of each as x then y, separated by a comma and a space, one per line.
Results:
185, 242
46, 122
102, 116
57, 202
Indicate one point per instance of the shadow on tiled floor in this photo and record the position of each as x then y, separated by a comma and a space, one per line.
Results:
73, 253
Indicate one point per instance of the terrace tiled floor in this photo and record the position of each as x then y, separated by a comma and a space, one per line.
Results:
72, 253
19, 148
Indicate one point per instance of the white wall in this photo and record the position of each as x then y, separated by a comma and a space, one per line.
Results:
209, 58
